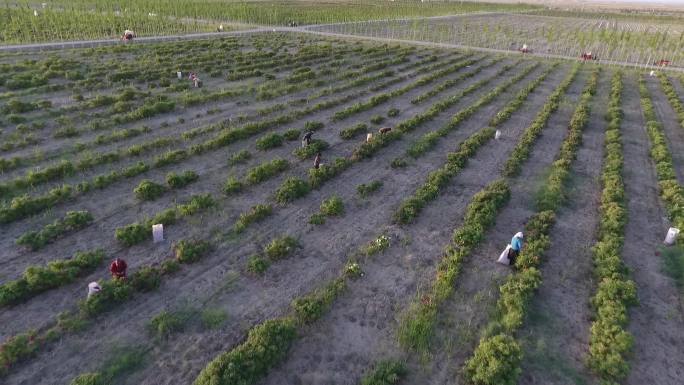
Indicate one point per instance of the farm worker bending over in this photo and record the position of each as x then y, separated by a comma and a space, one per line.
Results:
118, 268
93, 288
317, 161
516, 245
307, 138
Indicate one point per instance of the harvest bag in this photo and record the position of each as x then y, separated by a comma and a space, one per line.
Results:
503, 258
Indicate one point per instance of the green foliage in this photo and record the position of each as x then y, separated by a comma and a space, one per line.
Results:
318, 176
399, 163
196, 204
280, 248
132, 234
377, 119
213, 318
332, 206
148, 190
317, 219
417, 324
255, 214
351, 132
266, 170
610, 343
266, 346
671, 192
145, 279
164, 324
673, 263
257, 265
170, 157
436, 180
314, 147
73, 220
269, 141
393, 112
552, 193
239, 157
522, 150
364, 190
311, 307
38, 279
18, 348
313, 125
191, 250
496, 361
25, 205
112, 292
291, 189
232, 186
89, 379
292, 134
177, 181
385, 373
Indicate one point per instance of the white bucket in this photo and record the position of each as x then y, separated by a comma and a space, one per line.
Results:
369, 137
179, 74
671, 236
497, 134
652, 73
158, 233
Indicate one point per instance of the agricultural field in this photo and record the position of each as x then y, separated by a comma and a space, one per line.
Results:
379, 266
635, 40
27, 21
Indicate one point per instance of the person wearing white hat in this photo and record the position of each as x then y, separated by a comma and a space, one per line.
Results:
516, 246
93, 288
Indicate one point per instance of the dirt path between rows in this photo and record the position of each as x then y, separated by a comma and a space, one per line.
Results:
361, 326
673, 131
462, 317
247, 301
656, 323
556, 333
212, 169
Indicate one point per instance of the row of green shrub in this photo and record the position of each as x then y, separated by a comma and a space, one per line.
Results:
610, 343
255, 214
410, 208
671, 192
37, 279
73, 220
381, 98
366, 150
554, 192
148, 190
524, 146
147, 278
453, 82
140, 231
34, 177
429, 140
417, 324
331, 207
497, 358
277, 249
672, 97
113, 292
16, 106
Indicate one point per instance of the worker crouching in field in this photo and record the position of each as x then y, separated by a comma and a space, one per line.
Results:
118, 268
317, 161
306, 140
93, 288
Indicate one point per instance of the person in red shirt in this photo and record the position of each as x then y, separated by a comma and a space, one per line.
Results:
118, 268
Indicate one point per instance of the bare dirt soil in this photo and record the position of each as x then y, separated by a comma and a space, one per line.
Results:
360, 327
